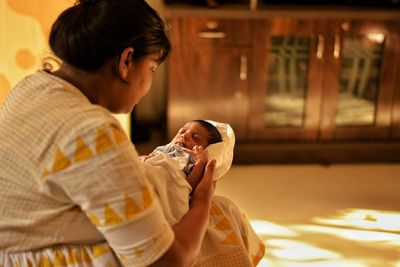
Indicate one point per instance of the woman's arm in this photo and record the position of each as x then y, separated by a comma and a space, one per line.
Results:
200, 156
196, 173
190, 231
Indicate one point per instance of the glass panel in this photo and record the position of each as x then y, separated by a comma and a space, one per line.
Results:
359, 79
287, 80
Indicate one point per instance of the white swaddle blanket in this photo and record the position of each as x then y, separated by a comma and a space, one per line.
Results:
169, 181
222, 151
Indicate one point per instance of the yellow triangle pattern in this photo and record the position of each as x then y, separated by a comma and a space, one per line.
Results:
82, 151
61, 161
59, 259
110, 216
131, 208
44, 261
147, 197
73, 257
261, 250
99, 250
93, 218
215, 210
103, 142
17, 264
231, 239
45, 173
224, 225
119, 136
138, 252
85, 256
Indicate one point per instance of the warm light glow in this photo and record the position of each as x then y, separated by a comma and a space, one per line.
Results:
365, 219
328, 263
333, 241
376, 37
356, 235
272, 229
300, 251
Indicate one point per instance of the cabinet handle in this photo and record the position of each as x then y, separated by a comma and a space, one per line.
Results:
320, 46
243, 68
336, 48
212, 35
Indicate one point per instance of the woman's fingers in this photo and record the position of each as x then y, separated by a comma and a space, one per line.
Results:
196, 148
209, 170
192, 151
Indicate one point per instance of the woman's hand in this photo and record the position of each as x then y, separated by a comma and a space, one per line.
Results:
205, 189
200, 155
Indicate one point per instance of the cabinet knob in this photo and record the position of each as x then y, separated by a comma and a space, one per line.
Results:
212, 24
243, 68
320, 46
336, 47
345, 26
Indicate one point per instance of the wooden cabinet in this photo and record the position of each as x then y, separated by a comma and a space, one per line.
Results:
361, 62
208, 72
311, 81
287, 90
395, 123
323, 80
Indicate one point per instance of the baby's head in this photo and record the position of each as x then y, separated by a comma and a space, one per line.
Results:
197, 133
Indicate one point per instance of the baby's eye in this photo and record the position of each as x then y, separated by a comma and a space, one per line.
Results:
196, 139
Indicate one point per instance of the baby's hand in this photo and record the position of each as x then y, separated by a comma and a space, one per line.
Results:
199, 153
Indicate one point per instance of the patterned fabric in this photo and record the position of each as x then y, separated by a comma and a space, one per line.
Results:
70, 175
230, 241
73, 255
175, 151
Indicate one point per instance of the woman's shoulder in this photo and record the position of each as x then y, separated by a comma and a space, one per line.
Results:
58, 107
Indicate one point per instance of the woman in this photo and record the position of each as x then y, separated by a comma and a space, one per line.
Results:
73, 189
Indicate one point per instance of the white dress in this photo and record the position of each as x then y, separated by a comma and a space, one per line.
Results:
73, 190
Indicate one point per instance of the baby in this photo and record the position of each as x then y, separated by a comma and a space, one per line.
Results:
175, 170
188, 148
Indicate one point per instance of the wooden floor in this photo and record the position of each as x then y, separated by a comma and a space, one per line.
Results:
313, 215
318, 215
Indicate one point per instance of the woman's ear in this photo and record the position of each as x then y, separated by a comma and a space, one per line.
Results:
125, 62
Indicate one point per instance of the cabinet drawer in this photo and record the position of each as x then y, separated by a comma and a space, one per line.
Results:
204, 31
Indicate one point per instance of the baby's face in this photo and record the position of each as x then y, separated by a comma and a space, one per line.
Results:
190, 135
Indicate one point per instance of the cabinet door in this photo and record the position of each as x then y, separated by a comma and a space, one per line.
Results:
208, 74
359, 83
287, 80
395, 130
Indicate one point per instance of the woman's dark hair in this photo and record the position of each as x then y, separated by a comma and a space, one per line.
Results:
92, 32
215, 136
